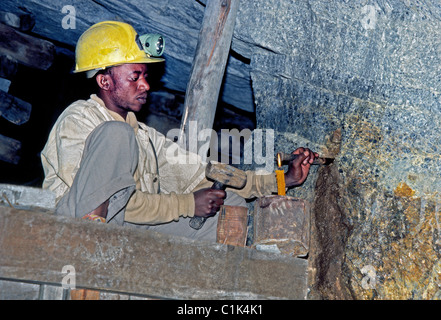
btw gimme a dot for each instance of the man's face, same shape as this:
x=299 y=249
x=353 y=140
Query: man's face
x=128 y=88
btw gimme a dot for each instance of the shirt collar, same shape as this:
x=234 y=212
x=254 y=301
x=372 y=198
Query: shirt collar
x=130 y=119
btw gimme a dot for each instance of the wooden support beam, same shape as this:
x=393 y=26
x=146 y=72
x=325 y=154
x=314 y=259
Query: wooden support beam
x=21 y=20
x=14 y=109
x=4 y=84
x=35 y=247
x=8 y=66
x=9 y=149
x=28 y=50
x=208 y=66
x=23 y=197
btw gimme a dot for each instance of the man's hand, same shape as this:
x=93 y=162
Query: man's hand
x=208 y=201
x=298 y=168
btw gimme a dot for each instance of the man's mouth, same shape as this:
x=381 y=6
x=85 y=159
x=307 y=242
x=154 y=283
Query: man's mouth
x=142 y=98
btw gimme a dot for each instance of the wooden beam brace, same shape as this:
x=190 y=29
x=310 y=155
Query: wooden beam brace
x=23 y=197
x=9 y=149
x=21 y=20
x=208 y=66
x=35 y=247
x=14 y=109
x=8 y=66
x=28 y=50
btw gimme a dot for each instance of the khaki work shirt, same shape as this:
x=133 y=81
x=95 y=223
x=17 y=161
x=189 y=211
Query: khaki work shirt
x=163 y=187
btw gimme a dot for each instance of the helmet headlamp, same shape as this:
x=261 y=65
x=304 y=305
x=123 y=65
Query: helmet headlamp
x=152 y=43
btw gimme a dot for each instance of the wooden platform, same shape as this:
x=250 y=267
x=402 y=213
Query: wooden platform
x=36 y=247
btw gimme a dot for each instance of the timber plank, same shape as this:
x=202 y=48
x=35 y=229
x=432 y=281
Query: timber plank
x=208 y=66
x=35 y=246
x=26 y=49
x=23 y=197
x=8 y=66
x=14 y=109
x=9 y=149
x=21 y=20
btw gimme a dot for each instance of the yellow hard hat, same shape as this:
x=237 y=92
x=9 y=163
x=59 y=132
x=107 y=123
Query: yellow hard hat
x=109 y=43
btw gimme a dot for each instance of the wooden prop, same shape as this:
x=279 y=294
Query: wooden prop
x=208 y=66
x=232 y=226
x=282 y=224
x=28 y=50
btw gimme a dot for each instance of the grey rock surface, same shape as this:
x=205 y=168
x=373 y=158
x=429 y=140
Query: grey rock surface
x=369 y=69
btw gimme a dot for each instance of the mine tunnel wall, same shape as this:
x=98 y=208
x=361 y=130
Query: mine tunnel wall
x=371 y=71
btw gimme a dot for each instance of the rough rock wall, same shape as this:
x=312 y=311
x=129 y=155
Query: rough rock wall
x=368 y=71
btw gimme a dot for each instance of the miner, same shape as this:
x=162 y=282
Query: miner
x=105 y=165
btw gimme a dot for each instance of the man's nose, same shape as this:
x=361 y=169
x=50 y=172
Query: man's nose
x=144 y=85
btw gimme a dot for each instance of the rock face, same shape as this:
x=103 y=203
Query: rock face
x=358 y=81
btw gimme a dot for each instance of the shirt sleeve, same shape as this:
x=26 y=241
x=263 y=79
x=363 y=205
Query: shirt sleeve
x=177 y=177
x=62 y=153
x=147 y=208
x=257 y=185
x=70 y=138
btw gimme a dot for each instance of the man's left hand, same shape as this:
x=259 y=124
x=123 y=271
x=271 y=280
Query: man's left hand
x=298 y=168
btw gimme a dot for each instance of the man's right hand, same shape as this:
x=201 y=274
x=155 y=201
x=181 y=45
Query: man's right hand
x=208 y=201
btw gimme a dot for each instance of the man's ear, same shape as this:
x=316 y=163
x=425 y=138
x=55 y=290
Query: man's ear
x=103 y=81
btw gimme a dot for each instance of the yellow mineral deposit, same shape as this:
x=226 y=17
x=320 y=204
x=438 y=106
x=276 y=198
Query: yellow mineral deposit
x=403 y=190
